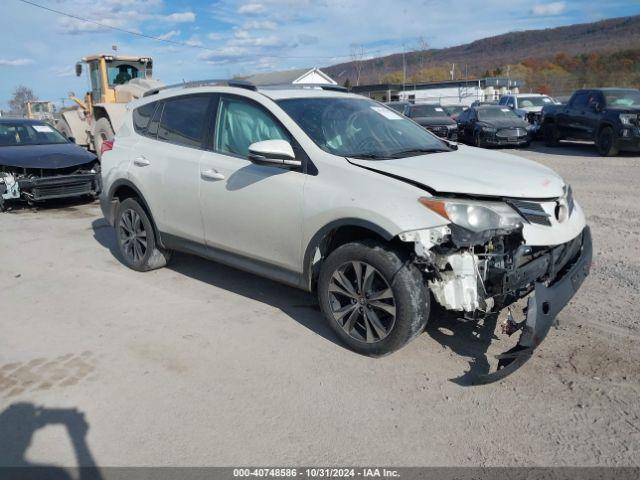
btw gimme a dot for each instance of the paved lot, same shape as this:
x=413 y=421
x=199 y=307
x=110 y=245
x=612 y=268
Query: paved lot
x=199 y=364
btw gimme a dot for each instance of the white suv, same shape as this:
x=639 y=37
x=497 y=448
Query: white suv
x=335 y=193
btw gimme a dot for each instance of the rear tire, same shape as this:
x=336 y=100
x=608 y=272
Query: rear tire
x=103 y=131
x=477 y=140
x=136 y=238
x=373 y=297
x=551 y=135
x=606 y=143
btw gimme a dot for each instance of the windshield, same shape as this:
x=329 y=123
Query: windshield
x=455 y=109
x=427 y=111
x=622 y=98
x=352 y=127
x=502 y=113
x=527 y=102
x=121 y=74
x=22 y=133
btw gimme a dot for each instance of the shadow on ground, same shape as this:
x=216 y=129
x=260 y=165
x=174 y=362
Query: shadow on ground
x=18 y=424
x=468 y=339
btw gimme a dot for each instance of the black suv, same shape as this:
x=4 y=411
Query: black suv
x=610 y=117
x=434 y=118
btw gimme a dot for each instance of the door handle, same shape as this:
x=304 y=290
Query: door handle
x=141 y=162
x=211 y=175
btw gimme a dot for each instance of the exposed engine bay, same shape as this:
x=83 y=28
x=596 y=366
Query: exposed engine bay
x=477 y=274
x=39 y=184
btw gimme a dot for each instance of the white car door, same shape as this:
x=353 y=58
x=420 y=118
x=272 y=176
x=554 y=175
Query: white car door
x=250 y=210
x=168 y=162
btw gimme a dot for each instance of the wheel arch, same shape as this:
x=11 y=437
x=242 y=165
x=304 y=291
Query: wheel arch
x=120 y=191
x=332 y=236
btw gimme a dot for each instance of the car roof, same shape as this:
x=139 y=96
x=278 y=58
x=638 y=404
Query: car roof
x=20 y=120
x=311 y=92
x=274 y=93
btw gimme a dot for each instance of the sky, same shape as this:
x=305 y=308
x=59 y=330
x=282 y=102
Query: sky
x=223 y=38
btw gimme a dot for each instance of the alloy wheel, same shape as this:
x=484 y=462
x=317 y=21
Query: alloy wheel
x=362 y=302
x=133 y=236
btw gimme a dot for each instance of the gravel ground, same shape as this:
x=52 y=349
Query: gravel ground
x=200 y=364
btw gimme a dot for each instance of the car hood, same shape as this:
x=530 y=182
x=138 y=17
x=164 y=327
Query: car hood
x=506 y=123
x=473 y=171
x=530 y=109
x=623 y=109
x=432 y=121
x=62 y=155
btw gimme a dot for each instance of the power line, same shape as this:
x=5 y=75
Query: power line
x=166 y=40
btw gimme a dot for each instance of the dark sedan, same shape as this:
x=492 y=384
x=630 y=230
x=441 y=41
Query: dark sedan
x=434 y=118
x=37 y=163
x=493 y=125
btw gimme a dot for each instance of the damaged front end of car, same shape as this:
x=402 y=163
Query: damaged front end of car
x=493 y=253
x=35 y=185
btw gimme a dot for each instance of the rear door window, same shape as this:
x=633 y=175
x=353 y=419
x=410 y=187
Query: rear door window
x=142 y=117
x=184 y=120
x=152 y=128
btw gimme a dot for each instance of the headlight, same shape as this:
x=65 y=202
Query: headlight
x=473 y=215
x=629 y=118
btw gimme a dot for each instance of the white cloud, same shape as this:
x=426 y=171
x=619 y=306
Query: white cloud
x=251 y=9
x=17 y=62
x=183 y=17
x=260 y=25
x=71 y=26
x=549 y=9
x=169 y=35
x=194 y=41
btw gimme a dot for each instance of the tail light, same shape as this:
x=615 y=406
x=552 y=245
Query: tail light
x=106 y=146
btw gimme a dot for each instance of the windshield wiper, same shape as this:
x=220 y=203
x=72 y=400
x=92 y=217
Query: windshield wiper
x=417 y=151
x=369 y=156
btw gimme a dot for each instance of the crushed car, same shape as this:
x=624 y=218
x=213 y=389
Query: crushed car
x=37 y=163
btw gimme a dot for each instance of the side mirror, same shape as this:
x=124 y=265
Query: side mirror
x=276 y=153
x=597 y=107
x=78 y=69
x=72 y=139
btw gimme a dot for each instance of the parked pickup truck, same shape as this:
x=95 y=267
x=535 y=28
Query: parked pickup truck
x=610 y=117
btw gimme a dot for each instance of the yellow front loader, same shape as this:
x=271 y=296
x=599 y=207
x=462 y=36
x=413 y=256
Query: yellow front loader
x=115 y=80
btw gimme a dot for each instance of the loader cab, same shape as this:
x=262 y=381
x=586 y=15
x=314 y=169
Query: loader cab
x=108 y=71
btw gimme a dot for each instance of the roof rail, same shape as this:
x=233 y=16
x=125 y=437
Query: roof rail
x=322 y=86
x=204 y=83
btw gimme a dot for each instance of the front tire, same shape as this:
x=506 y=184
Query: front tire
x=551 y=135
x=136 y=238
x=606 y=143
x=373 y=297
x=477 y=140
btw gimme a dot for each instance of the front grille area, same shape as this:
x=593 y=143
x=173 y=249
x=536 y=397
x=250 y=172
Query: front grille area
x=531 y=212
x=509 y=133
x=60 y=186
x=439 y=130
x=533 y=117
x=58 y=191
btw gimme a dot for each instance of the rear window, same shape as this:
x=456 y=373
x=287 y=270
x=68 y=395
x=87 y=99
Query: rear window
x=184 y=120
x=142 y=116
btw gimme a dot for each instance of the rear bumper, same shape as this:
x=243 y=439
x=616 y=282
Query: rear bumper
x=544 y=304
x=48 y=188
